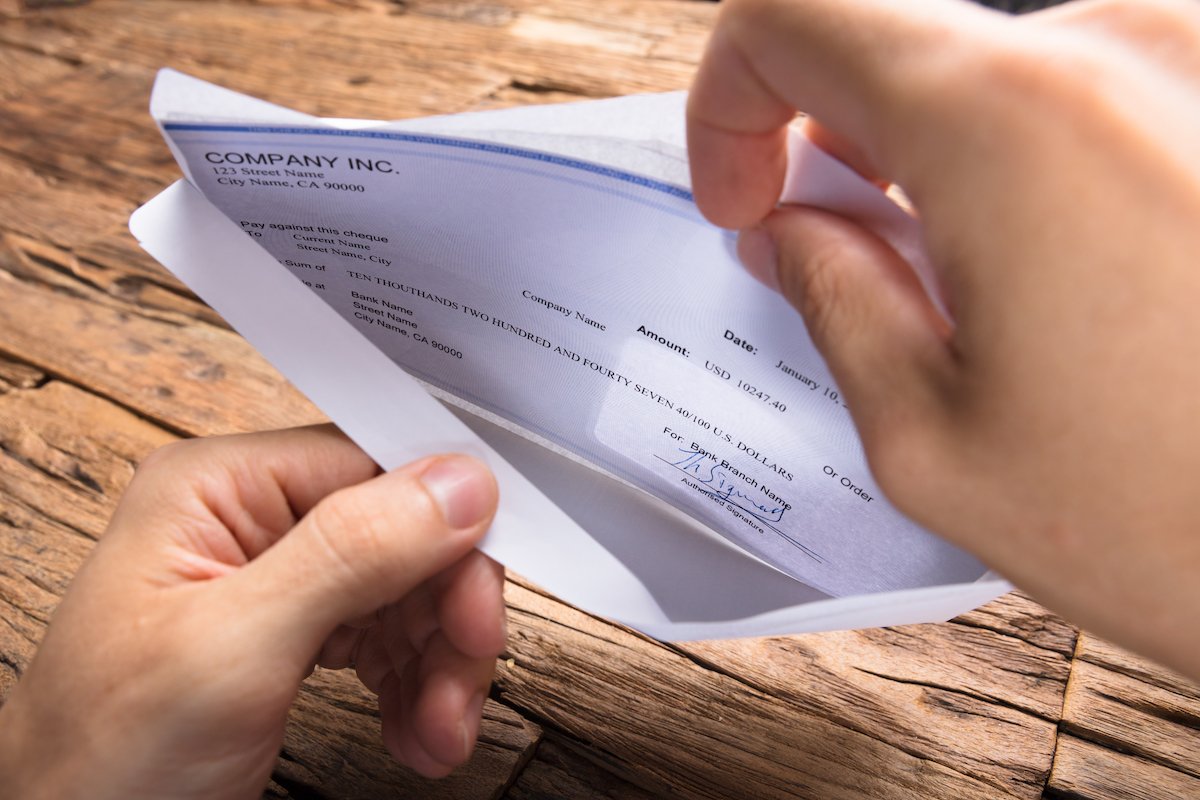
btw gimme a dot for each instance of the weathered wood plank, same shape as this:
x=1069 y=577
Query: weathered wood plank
x=381 y=64
x=17 y=375
x=190 y=376
x=68 y=455
x=1140 y=721
x=34 y=204
x=1133 y=716
x=560 y=769
x=88 y=130
x=995 y=695
x=1084 y=770
x=1016 y=615
x=332 y=747
x=24 y=70
x=65 y=456
x=1095 y=650
x=678 y=727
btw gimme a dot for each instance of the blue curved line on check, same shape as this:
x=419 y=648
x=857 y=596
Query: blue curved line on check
x=445 y=141
x=666 y=206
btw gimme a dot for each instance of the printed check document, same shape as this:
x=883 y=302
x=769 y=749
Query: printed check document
x=671 y=450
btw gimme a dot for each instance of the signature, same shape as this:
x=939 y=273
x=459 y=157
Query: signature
x=716 y=481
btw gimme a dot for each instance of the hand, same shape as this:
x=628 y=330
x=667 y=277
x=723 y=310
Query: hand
x=1052 y=159
x=232 y=566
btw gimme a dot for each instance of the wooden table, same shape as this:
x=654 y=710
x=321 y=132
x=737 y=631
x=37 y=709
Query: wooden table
x=103 y=357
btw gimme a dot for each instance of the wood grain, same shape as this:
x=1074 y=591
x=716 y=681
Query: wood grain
x=675 y=725
x=332 y=747
x=1085 y=769
x=1131 y=728
x=562 y=768
x=996 y=695
x=104 y=356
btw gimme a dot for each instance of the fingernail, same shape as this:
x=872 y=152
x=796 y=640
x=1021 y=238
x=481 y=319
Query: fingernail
x=757 y=251
x=470 y=721
x=463 y=488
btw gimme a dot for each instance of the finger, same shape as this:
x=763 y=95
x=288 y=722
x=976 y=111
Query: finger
x=397 y=638
x=866 y=312
x=453 y=687
x=364 y=547
x=340 y=649
x=397 y=701
x=738 y=158
x=255 y=485
x=371 y=661
x=414 y=618
x=856 y=67
x=470 y=605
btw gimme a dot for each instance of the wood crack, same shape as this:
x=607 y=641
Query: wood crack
x=161 y=424
x=1065 y=656
x=25 y=612
x=80 y=293
x=549 y=87
x=43 y=471
x=705 y=664
x=296 y=788
x=39 y=583
x=1182 y=718
x=68 y=527
x=113 y=296
x=588 y=750
x=1062 y=709
x=523 y=759
x=8 y=661
x=25 y=47
x=27 y=278
x=360 y=709
x=132 y=280
x=1122 y=746
x=591 y=634
x=996 y=701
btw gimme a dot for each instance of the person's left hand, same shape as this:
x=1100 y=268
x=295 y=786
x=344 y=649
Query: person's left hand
x=230 y=568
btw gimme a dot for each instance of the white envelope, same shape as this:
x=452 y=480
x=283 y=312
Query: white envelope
x=585 y=535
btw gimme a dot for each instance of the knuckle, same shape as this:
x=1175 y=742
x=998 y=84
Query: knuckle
x=352 y=532
x=187 y=453
x=169 y=469
x=817 y=282
x=367 y=533
x=167 y=456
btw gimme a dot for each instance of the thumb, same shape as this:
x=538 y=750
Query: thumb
x=866 y=312
x=364 y=547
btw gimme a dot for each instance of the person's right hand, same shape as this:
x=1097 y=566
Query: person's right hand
x=1054 y=160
